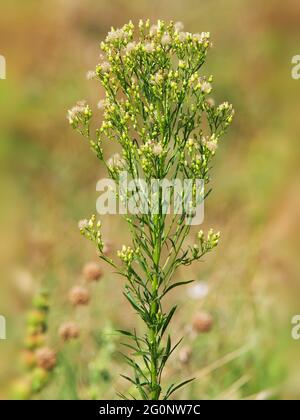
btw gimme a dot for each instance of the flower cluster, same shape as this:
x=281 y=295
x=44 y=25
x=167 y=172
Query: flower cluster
x=202 y=247
x=149 y=152
x=127 y=254
x=115 y=164
x=156 y=97
x=80 y=114
x=91 y=230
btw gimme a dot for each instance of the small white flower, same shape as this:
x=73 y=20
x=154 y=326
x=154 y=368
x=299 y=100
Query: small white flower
x=116 y=162
x=105 y=66
x=210 y=102
x=224 y=106
x=153 y=29
x=79 y=107
x=183 y=36
x=70 y=116
x=157 y=149
x=212 y=146
x=82 y=224
x=206 y=87
x=91 y=75
x=204 y=36
x=210 y=143
x=101 y=104
x=130 y=47
x=166 y=39
x=116 y=35
x=149 y=47
x=198 y=37
x=81 y=104
x=178 y=26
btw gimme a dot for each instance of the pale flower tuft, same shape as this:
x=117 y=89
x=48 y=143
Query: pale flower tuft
x=178 y=26
x=166 y=39
x=91 y=75
x=130 y=47
x=83 y=224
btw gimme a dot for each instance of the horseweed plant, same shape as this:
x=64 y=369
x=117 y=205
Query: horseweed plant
x=157 y=108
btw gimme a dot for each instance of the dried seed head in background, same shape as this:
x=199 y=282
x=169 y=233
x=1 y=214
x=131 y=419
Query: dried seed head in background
x=79 y=296
x=202 y=322
x=92 y=271
x=69 y=331
x=46 y=358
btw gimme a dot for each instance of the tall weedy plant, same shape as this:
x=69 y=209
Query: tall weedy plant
x=158 y=110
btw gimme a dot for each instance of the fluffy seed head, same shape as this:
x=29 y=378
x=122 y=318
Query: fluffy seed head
x=206 y=87
x=202 y=322
x=105 y=66
x=68 y=331
x=178 y=26
x=157 y=149
x=166 y=39
x=79 y=296
x=91 y=75
x=46 y=358
x=130 y=47
x=149 y=48
x=101 y=104
x=92 y=271
x=82 y=224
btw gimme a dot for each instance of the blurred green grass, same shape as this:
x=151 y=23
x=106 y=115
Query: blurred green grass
x=48 y=179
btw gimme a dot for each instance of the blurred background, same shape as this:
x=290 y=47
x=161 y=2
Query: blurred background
x=237 y=317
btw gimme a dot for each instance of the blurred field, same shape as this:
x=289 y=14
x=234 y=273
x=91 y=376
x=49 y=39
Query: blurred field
x=48 y=178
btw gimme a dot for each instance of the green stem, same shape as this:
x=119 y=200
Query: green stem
x=155 y=385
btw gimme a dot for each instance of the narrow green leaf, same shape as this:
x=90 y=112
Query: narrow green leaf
x=129 y=334
x=167 y=320
x=180 y=283
x=166 y=355
x=170 y=392
x=128 y=379
x=132 y=302
x=122 y=396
